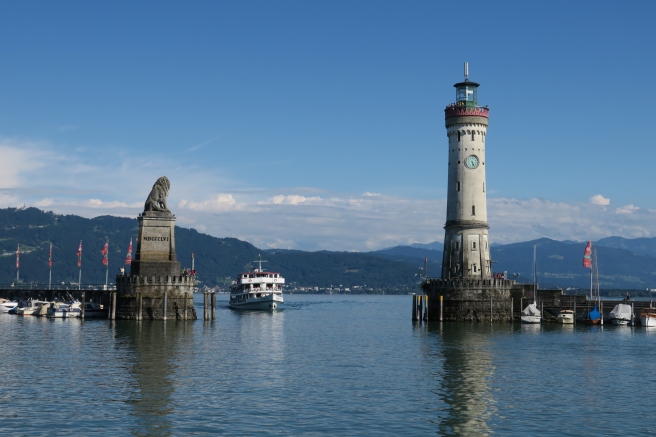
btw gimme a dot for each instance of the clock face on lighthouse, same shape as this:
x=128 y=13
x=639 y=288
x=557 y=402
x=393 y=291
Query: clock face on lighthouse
x=471 y=161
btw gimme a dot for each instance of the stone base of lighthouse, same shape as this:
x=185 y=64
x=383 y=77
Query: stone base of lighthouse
x=482 y=300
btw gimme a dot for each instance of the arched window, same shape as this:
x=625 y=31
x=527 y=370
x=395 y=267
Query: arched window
x=458 y=135
x=473 y=135
x=458 y=189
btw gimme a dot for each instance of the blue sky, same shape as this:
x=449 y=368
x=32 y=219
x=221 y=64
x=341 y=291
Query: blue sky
x=320 y=125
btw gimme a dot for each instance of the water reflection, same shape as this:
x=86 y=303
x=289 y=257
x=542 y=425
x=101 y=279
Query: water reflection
x=467 y=370
x=152 y=348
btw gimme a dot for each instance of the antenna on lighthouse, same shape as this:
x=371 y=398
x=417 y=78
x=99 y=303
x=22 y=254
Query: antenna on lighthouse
x=466 y=71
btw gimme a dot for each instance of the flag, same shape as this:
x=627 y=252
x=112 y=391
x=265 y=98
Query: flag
x=79 y=255
x=18 y=256
x=128 y=259
x=587 y=258
x=50 y=257
x=105 y=252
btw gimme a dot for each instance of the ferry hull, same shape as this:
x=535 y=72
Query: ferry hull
x=265 y=303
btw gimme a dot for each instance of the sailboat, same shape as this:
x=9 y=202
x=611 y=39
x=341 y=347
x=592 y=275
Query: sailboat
x=531 y=314
x=594 y=316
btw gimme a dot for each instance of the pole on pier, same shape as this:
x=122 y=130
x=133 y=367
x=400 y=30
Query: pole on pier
x=441 y=308
x=166 y=295
x=84 y=300
x=491 y=317
x=512 y=309
x=185 y=305
x=213 y=304
x=601 y=312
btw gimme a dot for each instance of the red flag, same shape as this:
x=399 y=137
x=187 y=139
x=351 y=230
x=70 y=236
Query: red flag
x=105 y=252
x=587 y=257
x=18 y=256
x=128 y=259
x=79 y=255
x=50 y=257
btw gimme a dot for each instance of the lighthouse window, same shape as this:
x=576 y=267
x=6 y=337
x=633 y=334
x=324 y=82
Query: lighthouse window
x=484 y=187
x=458 y=135
x=473 y=245
x=474 y=268
x=458 y=184
x=473 y=210
x=473 y=136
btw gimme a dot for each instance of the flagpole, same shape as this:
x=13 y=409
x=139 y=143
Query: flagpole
x=50 y=269
x=17 y=262
x=107 y=264
x=79 y=264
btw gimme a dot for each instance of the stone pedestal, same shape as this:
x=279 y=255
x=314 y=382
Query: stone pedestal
x=482 y=300
x=155 y=254
x=155 y=289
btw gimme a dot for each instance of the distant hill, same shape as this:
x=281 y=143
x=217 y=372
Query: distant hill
x=623 y=263
x=217 y=260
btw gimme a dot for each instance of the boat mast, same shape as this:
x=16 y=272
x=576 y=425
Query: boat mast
x=535 y=288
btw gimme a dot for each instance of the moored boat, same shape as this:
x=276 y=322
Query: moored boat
x=93 y=310
x=531 y=314
x=566 y=317
x=65 y=310
x=6 y=305
x=29 y=307
x=648 y=317
x=257 y=289
x=621 y=314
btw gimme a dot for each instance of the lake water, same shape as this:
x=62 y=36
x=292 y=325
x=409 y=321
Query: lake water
x=324 y=365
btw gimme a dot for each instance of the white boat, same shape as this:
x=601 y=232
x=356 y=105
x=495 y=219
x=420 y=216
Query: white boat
x=30 y=307
x=648 y=317
x=6 y=305
x=566 y=317
x=257 y=289
x=621 y=314
x=65 y=310
x=531 y=314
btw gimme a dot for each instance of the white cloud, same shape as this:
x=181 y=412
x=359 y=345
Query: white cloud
x=219 y=202
x=628 y=209
x=291 y=200
x=599 y=200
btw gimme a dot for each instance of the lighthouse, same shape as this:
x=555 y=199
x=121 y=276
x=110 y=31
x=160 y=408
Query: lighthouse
x=466 y=243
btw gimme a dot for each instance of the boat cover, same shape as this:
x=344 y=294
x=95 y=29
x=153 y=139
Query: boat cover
x=621 y=311
x=531 y=310
x=594 y=314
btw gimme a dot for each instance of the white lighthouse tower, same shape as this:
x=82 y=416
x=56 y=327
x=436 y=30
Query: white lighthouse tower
x=466 y=244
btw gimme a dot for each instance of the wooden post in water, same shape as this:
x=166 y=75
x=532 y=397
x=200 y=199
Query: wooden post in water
x=512 y=309
x=491 y=317
x=426 y=307
x=441 y=308
x=206 y=306
x=139 y=306
x=575 y=310
x=166 y=296
x=414 y=307
x=185 y=305
x=82 y=306
x=213 y=304
x=601 y=312
x=112 y=306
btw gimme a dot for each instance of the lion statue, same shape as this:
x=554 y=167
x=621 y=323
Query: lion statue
x=157 y=198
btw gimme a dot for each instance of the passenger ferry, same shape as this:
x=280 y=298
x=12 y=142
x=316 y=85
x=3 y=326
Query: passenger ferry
x=257 y=289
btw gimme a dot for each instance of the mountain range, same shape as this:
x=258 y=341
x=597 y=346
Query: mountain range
x=623 y=263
